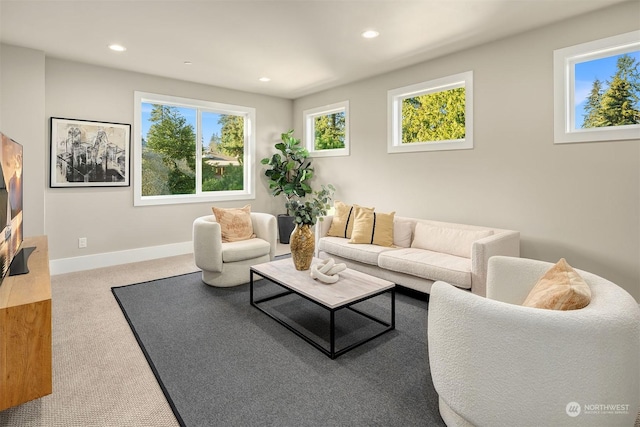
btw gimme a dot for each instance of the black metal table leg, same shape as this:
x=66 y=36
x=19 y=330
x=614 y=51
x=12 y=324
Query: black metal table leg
x=332 y=334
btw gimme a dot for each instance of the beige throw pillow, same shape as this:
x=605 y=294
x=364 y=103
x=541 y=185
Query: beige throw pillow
x=560 y=288
x=372 y=227
x=343 y=218
x=453 y=241
x=235 y=223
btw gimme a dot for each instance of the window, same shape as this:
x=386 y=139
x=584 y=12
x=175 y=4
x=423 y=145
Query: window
x=433 y=115
x=597 y=90
x=190 y=151
x=326 y=130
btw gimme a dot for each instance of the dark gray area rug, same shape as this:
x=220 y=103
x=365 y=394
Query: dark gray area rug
x=222 y=362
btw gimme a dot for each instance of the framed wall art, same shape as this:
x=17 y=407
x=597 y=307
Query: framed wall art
x=87 y=153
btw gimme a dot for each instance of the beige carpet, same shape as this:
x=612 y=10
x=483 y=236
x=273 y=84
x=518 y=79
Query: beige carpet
x=100 y=376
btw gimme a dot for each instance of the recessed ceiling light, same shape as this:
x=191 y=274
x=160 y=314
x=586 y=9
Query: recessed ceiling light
x=188 y=63
x=264 y=79
x=370 y=34
x=117 y=47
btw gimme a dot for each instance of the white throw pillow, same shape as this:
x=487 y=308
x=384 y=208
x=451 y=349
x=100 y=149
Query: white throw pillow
x=402 y=233
x=453 y=241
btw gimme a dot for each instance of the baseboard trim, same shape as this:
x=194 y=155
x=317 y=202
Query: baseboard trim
x=108 y=259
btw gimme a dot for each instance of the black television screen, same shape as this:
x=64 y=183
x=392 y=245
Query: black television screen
x=10 y=201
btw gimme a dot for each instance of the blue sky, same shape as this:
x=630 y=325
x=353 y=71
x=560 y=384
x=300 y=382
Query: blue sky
x=209 y=121
x=586 y=73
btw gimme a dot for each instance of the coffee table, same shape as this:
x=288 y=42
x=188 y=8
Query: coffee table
x=352 y=288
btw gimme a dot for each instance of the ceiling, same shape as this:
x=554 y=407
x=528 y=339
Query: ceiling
x=303 y=46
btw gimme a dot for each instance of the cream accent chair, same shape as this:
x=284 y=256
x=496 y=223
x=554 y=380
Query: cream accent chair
x=227 y=264
x=496 y=363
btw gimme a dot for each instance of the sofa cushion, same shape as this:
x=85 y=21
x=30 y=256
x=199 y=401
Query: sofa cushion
x=372 y=227
x=364 y=253
x=453 y=241
x=343 y=219
x=402 y=233
x=428 y=264
x=560 y=288
x=245 y=249
x=235 y=223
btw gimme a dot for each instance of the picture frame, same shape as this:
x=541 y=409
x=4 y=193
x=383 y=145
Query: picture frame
x=87 y=153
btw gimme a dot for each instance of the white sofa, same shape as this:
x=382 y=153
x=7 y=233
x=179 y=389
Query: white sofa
x=417 y=268
x=497 y=363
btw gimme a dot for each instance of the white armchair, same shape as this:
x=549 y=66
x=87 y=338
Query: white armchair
x=497 y=363
x=227 y=264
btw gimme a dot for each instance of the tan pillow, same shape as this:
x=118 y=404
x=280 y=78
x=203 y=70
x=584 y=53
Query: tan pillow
x=372 y=227
x=235 y=223
x=560 y=288
x=342 y=223
x=453 y=241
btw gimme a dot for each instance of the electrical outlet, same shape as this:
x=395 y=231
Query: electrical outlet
x=82 y=242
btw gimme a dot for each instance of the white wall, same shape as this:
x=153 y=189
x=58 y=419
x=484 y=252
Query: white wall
x=22 y=119
x=106 y=216
x=35 y=88
x=578 y=201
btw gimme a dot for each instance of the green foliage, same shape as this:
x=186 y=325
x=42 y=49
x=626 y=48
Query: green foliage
x=169 y=156
x=156 y=174
x=592 y=117
x=307 y=211
x=232 y=139
x=171 y=136
x=181 y=182
x=289 y=170
x=329 y=131
x=290 y=173
x=231 y=179
x=438 y=116
x=619 y=104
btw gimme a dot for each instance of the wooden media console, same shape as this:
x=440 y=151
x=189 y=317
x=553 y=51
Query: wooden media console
x=25 y=330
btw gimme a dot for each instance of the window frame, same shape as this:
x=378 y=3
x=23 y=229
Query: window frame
x=394 y=115
x=249 y=114
x=309 y=117
x=564 y=61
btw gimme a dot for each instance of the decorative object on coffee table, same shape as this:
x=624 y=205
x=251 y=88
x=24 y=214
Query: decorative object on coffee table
x=327 y=271
x=302 y=246
x=305 y=214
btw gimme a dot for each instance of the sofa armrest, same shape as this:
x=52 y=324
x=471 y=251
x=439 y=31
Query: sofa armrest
x=322 y=228
x=503 y=243
x=207 y=243
x=265 y=227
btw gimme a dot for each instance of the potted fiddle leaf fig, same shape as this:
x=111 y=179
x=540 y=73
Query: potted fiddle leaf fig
x=289 y=172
